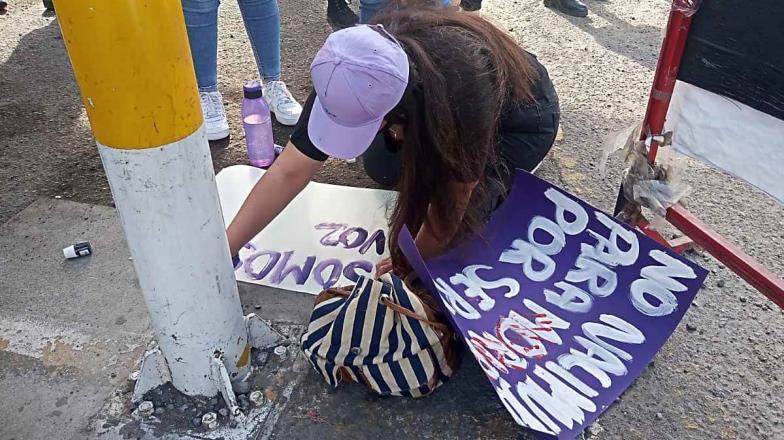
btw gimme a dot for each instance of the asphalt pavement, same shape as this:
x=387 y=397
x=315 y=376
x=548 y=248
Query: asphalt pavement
x=70 y=334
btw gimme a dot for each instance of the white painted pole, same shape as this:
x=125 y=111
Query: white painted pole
x=133 y=65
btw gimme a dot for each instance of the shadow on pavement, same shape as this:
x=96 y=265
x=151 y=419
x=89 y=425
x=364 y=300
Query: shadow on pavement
x=47 y=149
x=638 y=43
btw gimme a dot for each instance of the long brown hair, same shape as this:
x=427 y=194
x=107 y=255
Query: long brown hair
x=464 y=73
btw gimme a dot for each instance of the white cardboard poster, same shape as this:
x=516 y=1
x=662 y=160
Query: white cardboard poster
x=729 y=135
x=327 y=236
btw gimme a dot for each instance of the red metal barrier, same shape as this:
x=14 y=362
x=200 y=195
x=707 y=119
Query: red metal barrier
x=722 y=249
x=742 y=264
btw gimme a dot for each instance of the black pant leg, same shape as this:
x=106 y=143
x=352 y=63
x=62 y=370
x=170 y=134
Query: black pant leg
x=471 y=5
x=382 y=164
x=527 y=149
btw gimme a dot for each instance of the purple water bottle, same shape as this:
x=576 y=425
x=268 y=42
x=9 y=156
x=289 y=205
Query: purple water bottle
x=257 y=123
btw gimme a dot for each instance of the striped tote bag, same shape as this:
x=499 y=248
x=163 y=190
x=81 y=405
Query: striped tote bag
x=382 y=334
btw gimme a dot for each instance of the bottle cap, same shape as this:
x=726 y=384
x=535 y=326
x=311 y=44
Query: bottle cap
x=252 y=90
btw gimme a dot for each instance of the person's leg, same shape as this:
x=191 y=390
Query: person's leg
x=262 y=22
x=340 y=15
x=521 y=150
x=369 y=8
x=526 y=150
x=381 y=164
x=471 y=5
x=201 y=21
x=569 y=7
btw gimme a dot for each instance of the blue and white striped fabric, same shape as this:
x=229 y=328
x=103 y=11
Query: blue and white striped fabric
x=359 y=337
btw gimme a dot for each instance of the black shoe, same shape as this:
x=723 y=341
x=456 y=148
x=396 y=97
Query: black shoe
x=568 y=7
x=471 y=5
x=340 y=15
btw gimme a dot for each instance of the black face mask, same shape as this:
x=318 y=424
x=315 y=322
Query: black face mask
x=398 y=117
x=390 y=142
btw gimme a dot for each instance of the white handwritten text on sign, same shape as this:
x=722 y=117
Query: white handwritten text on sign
x=561 y=305
x=329 y=235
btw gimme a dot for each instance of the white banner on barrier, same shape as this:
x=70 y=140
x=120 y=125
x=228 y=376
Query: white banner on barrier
x=729 y=135
x=328 y=236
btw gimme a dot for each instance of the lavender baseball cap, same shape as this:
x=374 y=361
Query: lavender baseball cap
x=360 y=75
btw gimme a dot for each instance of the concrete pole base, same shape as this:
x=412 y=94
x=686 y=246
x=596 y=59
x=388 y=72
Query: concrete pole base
x=154 y=370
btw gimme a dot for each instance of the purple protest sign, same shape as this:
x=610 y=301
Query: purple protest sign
x=561 y=305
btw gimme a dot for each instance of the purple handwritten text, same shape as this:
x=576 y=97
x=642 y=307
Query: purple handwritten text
x=352 y=238
x=278 y=266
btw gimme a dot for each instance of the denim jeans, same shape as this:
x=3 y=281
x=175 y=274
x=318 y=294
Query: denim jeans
x=262 y=23
x=369 y=8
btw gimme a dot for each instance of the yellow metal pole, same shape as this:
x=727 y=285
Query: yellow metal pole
x=133 y=65
x=134 y=69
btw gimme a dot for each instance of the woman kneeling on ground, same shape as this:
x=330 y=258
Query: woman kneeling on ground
x=441 y=105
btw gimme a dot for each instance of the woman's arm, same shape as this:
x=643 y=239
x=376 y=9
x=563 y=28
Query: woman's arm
x=430 y=243
x=287 y=176
x=433 y=238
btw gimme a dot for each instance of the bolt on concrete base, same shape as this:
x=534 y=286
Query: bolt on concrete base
x=154 y=371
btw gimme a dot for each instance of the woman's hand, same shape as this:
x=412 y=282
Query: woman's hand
x=435 y=235
x=287 y=176
x=384 y=266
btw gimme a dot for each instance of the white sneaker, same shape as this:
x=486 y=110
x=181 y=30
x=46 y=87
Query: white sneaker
x=215 y=122
x=281 y=103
